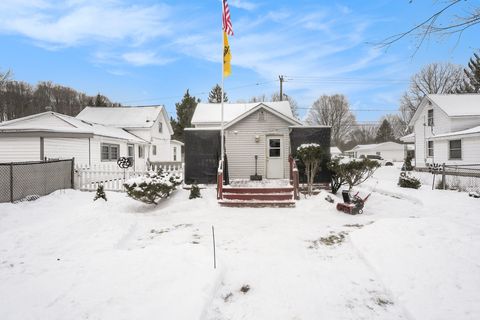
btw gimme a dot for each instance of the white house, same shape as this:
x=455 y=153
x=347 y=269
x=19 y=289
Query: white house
x=446 y=129
x=151 y=124
x=177 y=153
x=53 y=135
x=390 y=151
x=335 y=152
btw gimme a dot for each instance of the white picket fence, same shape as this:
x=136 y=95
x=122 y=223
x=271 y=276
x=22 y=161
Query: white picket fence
x=88 y=178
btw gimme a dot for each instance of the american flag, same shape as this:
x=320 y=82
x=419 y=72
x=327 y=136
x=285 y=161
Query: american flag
x=227 y=23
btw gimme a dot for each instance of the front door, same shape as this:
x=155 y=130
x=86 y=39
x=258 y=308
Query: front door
x=275 y=157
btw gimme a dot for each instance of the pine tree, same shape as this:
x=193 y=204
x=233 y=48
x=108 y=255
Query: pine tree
x=101 y=101
x=215 y=95
x=385 y=132
x=100 y=193
x=472 y=82
x=185 y=110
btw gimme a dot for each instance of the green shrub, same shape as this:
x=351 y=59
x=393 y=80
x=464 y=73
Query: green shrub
x=152 y=187
x=194 y=192
x=351 y=172
x=407 y=181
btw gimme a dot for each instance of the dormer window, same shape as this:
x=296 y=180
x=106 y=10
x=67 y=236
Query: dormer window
x=160 y=127
x=430 y=118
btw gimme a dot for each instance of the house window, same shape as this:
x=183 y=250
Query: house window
x=140 y=151
x=455 y=149
x=174 y=153
x=160 y=127
x=430 y=149
x=109 y=152
x=154 y=150
x=378 y=153
x=430 y=118
x=274 y=148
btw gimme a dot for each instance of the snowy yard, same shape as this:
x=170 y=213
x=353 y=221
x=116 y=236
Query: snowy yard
x=411 y=255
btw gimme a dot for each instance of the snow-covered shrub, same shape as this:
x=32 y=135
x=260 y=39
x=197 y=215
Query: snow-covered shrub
x=194 y=192
x=351 y=172
x=311 y=155
x=152 y=187
x=408 y=181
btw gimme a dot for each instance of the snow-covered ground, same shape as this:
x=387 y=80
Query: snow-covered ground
x=413 y=254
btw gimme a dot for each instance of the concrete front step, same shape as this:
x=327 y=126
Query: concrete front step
x=258 y=190
x=256 y=204
x=259 y=196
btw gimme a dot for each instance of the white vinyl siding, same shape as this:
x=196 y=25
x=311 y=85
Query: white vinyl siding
x=16 y=149
x=67 y=148
x=470 y=151
x=241 y=146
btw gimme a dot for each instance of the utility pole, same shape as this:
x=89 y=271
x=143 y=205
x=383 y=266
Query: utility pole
x=281 y=87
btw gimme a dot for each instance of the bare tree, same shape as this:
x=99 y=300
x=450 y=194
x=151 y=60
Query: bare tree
x=361 y=134
x=293 y=103
x=333 y=111
x=433 y=78
x=399 y=126
x=436 y=25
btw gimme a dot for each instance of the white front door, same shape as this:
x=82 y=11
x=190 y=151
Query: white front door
x=275 y=157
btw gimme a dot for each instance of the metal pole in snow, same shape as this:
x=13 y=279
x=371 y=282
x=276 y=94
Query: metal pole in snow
x=214 y=254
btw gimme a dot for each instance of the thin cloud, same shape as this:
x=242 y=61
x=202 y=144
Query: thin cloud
x=141 y=58
x=241 y=4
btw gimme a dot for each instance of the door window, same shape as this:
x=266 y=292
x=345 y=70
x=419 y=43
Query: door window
x=274 y=148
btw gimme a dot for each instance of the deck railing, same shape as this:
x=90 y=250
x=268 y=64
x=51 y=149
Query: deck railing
x=220 y=180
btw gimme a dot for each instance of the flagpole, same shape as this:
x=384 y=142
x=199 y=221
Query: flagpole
x=221 y=117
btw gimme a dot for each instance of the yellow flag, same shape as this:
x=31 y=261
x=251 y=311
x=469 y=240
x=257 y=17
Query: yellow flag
x=227 y=70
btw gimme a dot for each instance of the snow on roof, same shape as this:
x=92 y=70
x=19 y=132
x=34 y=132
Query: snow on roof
x=122 y=117
x=468 y=132
x=211 y=112
x=457 y=105
x=374 y=146
x=409 y=138
x=76 y=126
x=335 y=150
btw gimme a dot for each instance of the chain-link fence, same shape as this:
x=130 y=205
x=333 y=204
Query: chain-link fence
x=19 y=180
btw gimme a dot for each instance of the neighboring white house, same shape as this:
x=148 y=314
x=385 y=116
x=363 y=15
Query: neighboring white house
x=446 y=129
x=176 y=150
x=390 y=151
x=52 y=135
x=251 y=129
x=152 y=124
x=335 y=152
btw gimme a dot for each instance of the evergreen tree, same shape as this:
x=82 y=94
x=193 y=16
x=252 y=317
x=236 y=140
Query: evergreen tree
x=101 y=101
x=385 y=132
x=100 y=193
x=215 y=95
x=194 y=192
x=472 y=82
x=185 y=110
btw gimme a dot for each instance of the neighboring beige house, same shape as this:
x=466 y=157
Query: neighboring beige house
x=390 y=151
x=50 y=135
x=446 y=129
x=152 y=124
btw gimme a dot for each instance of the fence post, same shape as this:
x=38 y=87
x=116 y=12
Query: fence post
x=11 y=182
x=72 y=174
x=443 y=176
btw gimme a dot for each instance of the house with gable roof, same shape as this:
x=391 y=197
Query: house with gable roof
x=259 y=138
x=446 y=129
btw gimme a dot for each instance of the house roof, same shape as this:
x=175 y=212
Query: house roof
x=335 y=150
x=74 y=126
x=279 y=114
x=454 y=105
x=409 y=138
x=475 y=131
x=177 y=142
x=210 y=113
x=361 y=147
x=124 y=117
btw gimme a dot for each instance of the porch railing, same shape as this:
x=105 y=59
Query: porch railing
x=220 y=180
x=294 y=178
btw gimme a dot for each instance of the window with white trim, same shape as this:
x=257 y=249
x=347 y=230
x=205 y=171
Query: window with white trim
x=109 y=152
x=430 y=118
x=154 y=150
x=455 y=149
x=430 y=148
x=160 y=127
x=174 y=153
x=141 y=151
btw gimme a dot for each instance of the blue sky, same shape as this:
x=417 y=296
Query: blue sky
x=150 y=52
